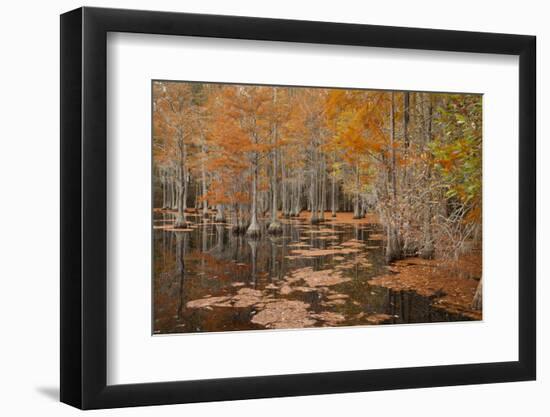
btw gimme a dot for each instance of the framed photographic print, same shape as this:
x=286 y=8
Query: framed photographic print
x=257 y=207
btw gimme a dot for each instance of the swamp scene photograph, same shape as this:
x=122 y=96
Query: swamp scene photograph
x=278 y=207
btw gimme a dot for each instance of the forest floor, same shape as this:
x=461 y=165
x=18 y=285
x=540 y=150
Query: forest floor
x=452 y=284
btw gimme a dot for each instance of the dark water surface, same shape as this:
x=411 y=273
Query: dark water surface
x=208 y=261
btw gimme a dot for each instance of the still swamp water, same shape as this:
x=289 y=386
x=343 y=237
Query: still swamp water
x=207 y=279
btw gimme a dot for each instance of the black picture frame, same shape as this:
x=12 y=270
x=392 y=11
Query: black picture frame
x=84 y=207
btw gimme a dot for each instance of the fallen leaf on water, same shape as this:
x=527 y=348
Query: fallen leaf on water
x=334 y=303
x=328 y=317
x=325 y=277
x=284 y=314
x=285 y=289
x=323 y=252
x=207 y=301
x=337 y=297
x=378 y=318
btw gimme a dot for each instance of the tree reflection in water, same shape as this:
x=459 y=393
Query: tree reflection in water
x=230 y=279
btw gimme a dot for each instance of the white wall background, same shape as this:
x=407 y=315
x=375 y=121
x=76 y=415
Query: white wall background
x=29 y=215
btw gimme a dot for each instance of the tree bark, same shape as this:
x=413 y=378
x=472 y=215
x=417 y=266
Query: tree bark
x=275 y=226
x=393 y=247
x=164 y=191
x=314 y=219
x=427 y=250
x=181 y=189
x=203 y=178
x=477 y=302
x=333 y=195
x=322 y=190
x=253 y=230
x=284 y=188
x=356 y=213
x=220 y=215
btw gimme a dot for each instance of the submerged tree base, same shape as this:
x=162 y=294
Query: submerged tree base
x=275 y=228
x=181 y=223
x=254 y=232
x=239 y=229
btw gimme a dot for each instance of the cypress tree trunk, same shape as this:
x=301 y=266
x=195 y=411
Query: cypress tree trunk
x=356 y=213
x=427 y=249
x=203 y=180
x=220 y=215
x=274 y=226
x=333 y=196
x=253 y=230
x=322 y=191
x=164 y=191
x=314 y=219
x=181 y=193
x=393 y=248
x=313 y=198
x=185 y=189
x=284 y=189
x=477 y=302
x=235 y=222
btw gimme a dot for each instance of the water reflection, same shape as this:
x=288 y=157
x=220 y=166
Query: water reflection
x=235 y=283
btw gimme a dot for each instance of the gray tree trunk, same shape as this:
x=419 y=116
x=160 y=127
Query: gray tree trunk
x=254 y=228
x=314 y=219
x=477 y=302
x=333 y=196
x=427 y=249
x=164 y=191
x=275 y=226
x=323 y=191
x=284 y=188
x=393 y=247
x=181 y=192
x=356 y=212
x=220 y=215
x=203 y=180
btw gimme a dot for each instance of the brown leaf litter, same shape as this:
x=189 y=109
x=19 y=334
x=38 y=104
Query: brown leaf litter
x=448 y=282
x=284 y=314
x=322 y=278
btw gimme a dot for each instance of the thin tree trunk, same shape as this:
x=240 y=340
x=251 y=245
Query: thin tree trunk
x=477 y=302
x=203 y=179
x=313 y=198
x=185 y=189
x=220 y=215
x=171 y=188
x=180 y=218
x=323 y=190
x=284 y=189
x=274 y=226
x=333 y=195
x=356 y=214
x=393 y=248
x=313 y=186
x=254 y=228
x=427 y=249
x=164 y=191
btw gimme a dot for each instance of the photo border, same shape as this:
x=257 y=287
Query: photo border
x=84 y=207
x=236 y=84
